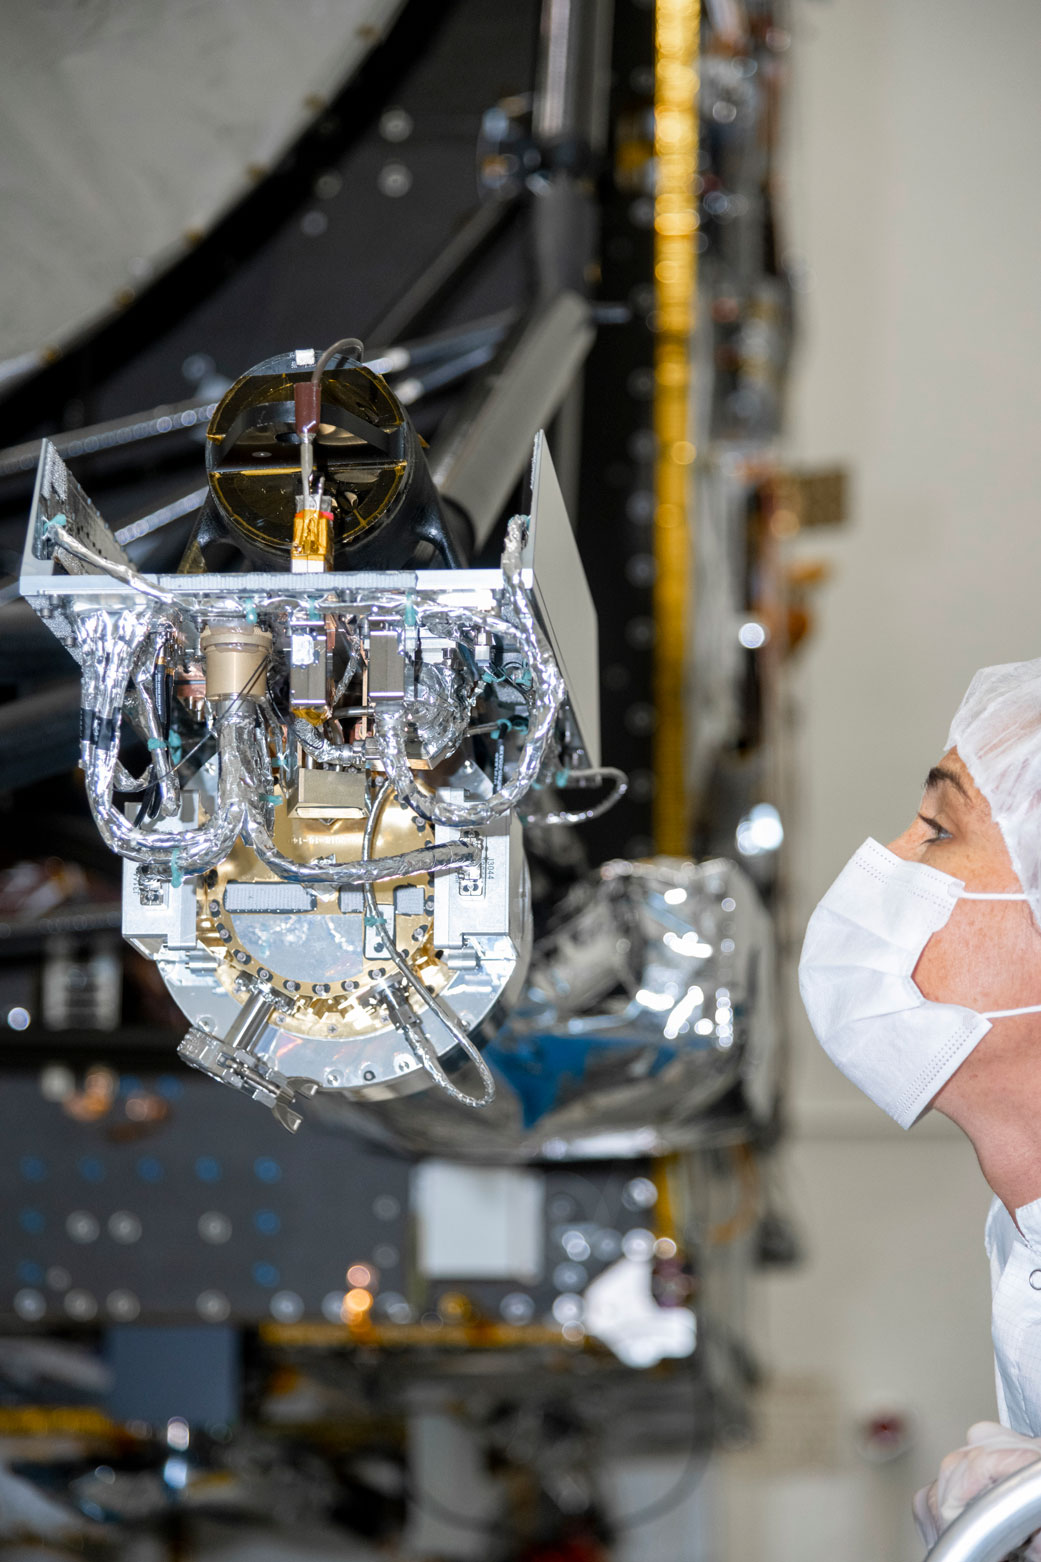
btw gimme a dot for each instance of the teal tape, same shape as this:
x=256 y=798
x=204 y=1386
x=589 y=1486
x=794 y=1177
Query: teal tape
x=175 y=747
x=273 y=797
x=176 y=876
x=157 y=743
x=410 y=610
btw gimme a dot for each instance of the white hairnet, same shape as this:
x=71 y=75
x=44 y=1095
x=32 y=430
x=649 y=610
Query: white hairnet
x=997 y=732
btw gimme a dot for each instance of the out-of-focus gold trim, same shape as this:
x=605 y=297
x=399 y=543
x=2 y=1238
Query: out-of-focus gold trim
x=677 y=38
x=57 y=1421
x=467 y=1336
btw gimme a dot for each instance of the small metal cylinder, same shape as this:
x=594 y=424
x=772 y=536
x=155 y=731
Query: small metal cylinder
x=236 y=658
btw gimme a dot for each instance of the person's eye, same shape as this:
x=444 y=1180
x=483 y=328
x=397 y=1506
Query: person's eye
x=936 y=829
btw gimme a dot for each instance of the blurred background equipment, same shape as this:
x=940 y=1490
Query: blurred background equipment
x=426 y=679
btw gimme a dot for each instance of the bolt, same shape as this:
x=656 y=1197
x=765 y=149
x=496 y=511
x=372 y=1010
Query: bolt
x=214 y=908
x=428 y=905
x=369 y=1075
x=333 y=1077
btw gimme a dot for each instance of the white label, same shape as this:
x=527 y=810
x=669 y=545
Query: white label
x=478 y=1223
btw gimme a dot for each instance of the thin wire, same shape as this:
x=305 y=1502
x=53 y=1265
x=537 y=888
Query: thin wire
x=604 y=773
x=346 y=344
x=423 y=1049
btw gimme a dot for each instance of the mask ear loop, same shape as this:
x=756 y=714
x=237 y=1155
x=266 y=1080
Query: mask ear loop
x=981 y=894
x=1004 y=1014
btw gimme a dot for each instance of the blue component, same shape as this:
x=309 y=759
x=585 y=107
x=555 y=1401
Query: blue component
x=542 y=1069
x=208 y=1169
x=265 y=1274
x=130 y=1085
x=32 y=1221
x=30 y=1273
x=267 y=1170
x=267 y=1222
x=149 y=1169
x=32 y=1168
x=91 y=1169
x=169 y=1087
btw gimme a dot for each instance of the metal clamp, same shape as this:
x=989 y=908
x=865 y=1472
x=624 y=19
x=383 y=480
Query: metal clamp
x=233 y=1062
x=995 y=1523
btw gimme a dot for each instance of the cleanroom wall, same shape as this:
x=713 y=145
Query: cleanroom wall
x=914 y=139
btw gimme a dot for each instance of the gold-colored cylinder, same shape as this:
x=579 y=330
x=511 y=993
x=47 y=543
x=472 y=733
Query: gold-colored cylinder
x=236 y=657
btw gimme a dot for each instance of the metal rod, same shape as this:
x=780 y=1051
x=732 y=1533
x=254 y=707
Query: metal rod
x=419 y=385
x=995 y=1523
x=61 y=924
x=145 y=525
x=439 y=273
x=441 y=344
x=179 y=415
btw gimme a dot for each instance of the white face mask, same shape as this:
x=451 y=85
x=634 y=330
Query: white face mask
x=862 y=944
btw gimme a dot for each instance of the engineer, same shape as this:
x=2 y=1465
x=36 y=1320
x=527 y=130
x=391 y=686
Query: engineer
x=921 y=976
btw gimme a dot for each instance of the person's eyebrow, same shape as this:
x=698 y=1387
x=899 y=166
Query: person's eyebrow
x=939 y=774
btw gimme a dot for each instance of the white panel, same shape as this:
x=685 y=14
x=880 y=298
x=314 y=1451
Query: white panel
x=478 y=1222
x=562 y=597
x=129 y=129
